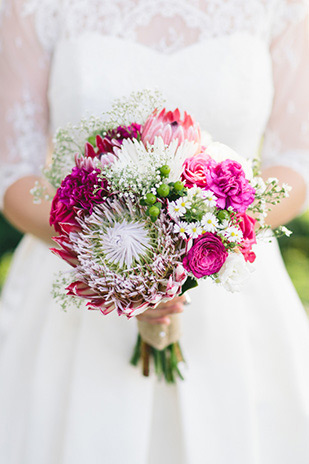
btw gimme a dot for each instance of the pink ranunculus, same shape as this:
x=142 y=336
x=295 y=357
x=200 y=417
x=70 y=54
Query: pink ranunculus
x=247 y=226
x=195 y=170
x=206 y=256
x=170 y=126
x=228 y=182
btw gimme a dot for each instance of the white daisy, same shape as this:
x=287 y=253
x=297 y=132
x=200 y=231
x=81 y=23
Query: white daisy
x=181 y=228
x=224 y=224
x=210 y=198
x=175 y=210
x=194 y=190
x=183 y=203
x=194 y=229
x=210 y=222
x=233 y=234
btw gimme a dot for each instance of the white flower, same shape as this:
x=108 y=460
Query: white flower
x=210 y=198
x=272 y=180
x=124 y=242
x=286 y=189
x=174 y=210
x=220 y=152
x=234 y=273
x=183 y=203
x=181 y=228
x=194 y=229
x=194 y=190
x=224 y=224
x=209 y=222
x=233 y=234
x=285 y=231
x=259 y=185
x=137 y=166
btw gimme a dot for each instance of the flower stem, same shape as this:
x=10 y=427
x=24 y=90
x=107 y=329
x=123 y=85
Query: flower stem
x=165 y=361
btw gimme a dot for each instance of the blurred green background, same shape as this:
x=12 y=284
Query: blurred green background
x=295 y=251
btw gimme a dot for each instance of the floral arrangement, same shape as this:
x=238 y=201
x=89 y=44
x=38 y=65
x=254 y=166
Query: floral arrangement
x=144 y=209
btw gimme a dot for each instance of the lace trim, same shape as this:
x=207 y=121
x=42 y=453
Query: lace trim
x=27 y=147
x=29 y=140
x=289 y=12
x=46 y=19
x=136 y=20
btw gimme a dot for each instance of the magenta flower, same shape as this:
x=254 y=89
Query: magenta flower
x=79 y=190
x=112 y=139
x=206 y=257
x=228 y=182
x=170 y=126
x=60 y=213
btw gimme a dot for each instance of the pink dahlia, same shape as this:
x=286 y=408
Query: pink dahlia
x=228 y=182
x=170 y=126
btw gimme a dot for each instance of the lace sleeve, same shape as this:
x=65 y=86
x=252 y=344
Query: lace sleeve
x=24 y=69
x=287 y=135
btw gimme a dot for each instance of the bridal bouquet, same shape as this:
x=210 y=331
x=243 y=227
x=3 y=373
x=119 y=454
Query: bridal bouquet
x=145 y=208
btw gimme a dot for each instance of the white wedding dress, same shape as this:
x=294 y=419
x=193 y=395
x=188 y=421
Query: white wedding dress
x=68 y=394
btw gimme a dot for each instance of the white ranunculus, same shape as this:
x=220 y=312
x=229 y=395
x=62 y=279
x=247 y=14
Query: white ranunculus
x=234 y=273
x=220 y=152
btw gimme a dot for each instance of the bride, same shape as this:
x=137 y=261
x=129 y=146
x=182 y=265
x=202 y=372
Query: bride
x=67 y=392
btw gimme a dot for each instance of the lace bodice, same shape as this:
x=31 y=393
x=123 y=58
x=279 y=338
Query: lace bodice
x=215 y=38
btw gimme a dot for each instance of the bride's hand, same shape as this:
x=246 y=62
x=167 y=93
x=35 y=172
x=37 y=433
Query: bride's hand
x=160 y=314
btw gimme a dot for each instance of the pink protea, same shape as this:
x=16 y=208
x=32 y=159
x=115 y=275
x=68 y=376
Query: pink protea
x=170 y=126
x=121 y=260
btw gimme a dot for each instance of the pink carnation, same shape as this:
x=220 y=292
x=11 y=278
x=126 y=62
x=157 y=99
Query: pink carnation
x=228 y=182
x=170 y=126
x=206 y=257
x=195 y=170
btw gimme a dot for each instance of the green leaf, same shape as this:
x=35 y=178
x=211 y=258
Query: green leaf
x=189 y=283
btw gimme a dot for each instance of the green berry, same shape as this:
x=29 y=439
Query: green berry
x=178 y=186
x=165 y=170
x=163 y=190
x=150 y=199
x=154 y=212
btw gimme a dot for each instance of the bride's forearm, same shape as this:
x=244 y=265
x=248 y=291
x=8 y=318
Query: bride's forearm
x=26 y=216
x=289 y=207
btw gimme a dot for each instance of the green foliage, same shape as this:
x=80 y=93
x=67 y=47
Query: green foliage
x=295 y=252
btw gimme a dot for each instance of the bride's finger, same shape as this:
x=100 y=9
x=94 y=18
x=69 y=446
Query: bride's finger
x=164 y=311
x=158 y=320
x=177 y=299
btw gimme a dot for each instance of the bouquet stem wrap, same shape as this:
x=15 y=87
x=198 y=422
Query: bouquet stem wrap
x=160 y=342
x=160 y=336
